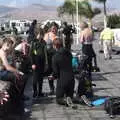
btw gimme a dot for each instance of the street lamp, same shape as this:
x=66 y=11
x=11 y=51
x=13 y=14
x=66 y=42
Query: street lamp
x=77 y=20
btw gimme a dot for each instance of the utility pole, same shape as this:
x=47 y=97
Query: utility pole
x=77 y=20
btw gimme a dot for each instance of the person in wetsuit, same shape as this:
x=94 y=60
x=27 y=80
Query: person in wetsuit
x=62 y=70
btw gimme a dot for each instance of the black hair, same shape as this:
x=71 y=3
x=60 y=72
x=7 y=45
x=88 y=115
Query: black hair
x=34 y=22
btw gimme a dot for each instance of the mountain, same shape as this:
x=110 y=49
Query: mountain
x=43 y=7
x=6 y=9
x=35 y=11
x=39 y=12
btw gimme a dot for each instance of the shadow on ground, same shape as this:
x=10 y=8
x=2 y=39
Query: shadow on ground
x=15 y=111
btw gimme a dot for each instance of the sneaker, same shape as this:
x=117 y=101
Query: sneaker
x=96 y=69
x=26 y=110
x=86 y=101
x=70 y=103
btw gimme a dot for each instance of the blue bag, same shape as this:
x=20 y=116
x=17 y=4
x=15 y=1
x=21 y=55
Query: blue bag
x=98 y=102
x=75 y=62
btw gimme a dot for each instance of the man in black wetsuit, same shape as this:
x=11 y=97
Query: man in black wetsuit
x=62 y=70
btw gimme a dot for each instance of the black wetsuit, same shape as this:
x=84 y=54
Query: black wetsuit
x=38 y=58
x=62 y=69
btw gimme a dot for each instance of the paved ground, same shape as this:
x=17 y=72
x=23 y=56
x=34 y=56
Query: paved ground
x=108 y=84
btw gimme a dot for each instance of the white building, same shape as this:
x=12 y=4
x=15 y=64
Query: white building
x=21 y=25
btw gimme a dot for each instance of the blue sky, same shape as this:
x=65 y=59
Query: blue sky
x=20 y=3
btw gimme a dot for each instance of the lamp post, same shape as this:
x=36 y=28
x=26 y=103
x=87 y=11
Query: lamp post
x=77 y=21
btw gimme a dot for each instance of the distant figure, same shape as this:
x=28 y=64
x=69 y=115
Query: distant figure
x=107 y=39
x=31 y=31
x=14 y=30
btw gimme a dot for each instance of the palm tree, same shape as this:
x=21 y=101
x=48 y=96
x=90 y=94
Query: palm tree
x=68 y=7
x=60 y=11
x=86 y=10
x=84 y=7
x=105 y=11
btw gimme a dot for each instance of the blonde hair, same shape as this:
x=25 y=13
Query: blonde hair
x=7 y=40
x=84 y=24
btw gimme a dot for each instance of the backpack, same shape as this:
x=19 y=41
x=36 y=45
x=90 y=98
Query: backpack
x=112 y=106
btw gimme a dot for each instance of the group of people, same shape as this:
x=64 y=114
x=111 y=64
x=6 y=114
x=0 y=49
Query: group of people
x=52 y=59
x=49 y=57
x=43 y=46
